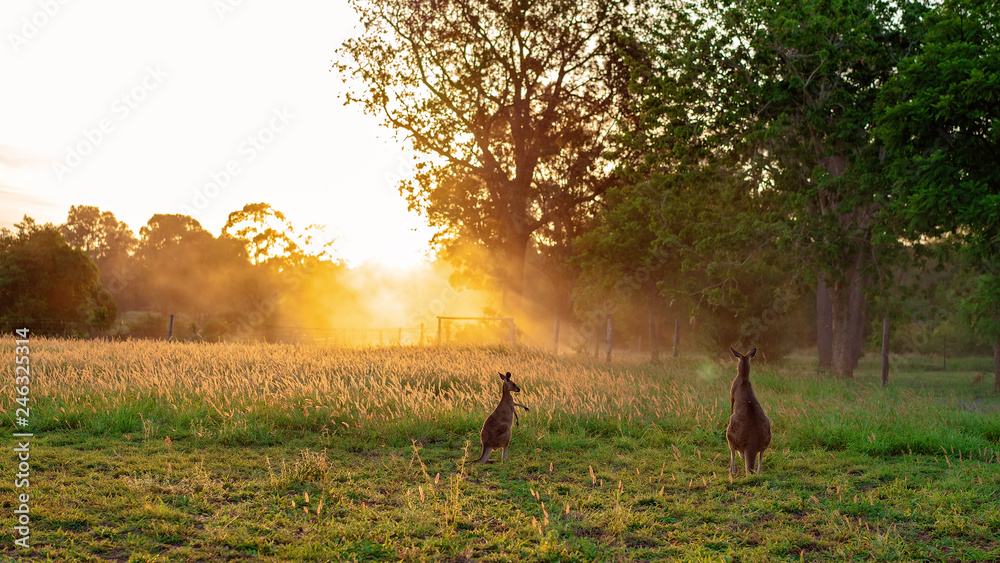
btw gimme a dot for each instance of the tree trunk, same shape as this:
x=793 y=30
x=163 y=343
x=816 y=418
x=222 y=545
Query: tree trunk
x=513 y=267
x=846 y=298
x=824 y=323
x=840 y=299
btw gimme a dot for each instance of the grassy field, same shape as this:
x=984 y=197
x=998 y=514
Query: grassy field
x=148 y=451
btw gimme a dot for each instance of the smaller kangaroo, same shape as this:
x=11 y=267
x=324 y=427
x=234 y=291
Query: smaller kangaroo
x=496 y=430
x=749 y=430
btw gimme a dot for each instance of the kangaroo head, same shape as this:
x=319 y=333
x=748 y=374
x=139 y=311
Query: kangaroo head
x=509 y=385
x=743 y=365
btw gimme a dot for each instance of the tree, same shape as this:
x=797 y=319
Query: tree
x=713 y=229
x=821 y=66
x=186 y=269
x=510 y=105
x=45 y=284
x=940 y=120
x=619 y=271
x=99 y=234
x=753 y=128
x=267 y=233
x=110 y=244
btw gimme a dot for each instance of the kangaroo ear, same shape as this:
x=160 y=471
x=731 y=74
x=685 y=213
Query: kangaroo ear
x=508 y=376
x=501 y=376
x=751 y=353
x=735 y=353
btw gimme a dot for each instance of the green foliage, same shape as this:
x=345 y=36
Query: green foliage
x=46 y=284
x=813 y=70
x=940 y=119
x=699 y=218
x=618 y=269
x=929 y=301
x=749 y=135
x=145 y=325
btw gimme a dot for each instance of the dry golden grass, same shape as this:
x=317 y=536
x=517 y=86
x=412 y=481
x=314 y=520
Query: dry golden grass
x=364 y=385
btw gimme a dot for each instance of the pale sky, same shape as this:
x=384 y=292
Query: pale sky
x=195 y=107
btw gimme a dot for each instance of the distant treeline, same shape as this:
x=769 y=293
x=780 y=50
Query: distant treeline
x=93 y=276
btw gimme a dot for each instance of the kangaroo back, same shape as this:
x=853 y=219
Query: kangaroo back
x=749 y=430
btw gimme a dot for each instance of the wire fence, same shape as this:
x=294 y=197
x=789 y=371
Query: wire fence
x=353 y=337
x=182 y=332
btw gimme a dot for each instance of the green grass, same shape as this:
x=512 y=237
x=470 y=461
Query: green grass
x=156 y=452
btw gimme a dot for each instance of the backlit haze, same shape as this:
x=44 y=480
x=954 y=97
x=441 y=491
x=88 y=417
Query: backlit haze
x=196 y=107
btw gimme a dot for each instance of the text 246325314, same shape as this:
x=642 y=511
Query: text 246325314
x=22 y=439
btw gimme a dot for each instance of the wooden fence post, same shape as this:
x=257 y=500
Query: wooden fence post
x=170 y=329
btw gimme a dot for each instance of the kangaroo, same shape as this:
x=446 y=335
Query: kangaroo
x=749 y=430
x=496 y=430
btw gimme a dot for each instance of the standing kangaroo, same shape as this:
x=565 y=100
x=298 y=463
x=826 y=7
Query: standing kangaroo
x=496 y=430
x=749 y=430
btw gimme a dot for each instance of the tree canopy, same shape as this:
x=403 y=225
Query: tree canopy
x=940 y=119
x=509 y=106
x=45 y=283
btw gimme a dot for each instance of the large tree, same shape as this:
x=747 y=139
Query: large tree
x=819 y=67
x=99 y=234
x=754 y=128
x=184 y=269
x=45 y=284
x=267 y=233
x=110 y=244
x=508 y=104
x=940 y=119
